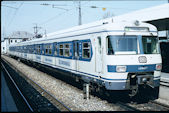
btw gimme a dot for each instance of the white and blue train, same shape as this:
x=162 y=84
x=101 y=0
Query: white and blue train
x=114 y=55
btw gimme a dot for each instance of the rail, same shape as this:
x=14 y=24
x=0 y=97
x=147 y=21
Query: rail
x=60 y=105
x=126 y=107
x=27 y=103
x=160 y=104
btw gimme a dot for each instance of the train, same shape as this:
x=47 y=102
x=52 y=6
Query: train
x=117 y=56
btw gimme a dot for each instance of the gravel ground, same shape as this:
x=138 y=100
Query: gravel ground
x=69 y=95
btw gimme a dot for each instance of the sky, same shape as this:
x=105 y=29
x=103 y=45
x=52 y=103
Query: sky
x=53 y=16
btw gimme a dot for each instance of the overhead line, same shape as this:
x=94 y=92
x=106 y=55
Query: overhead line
x=15 y=14
x=9 y=6
x=55 y=17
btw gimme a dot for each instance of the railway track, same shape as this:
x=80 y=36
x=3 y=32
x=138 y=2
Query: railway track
x=59 y=105
x=149 y=106
x=160 y=104
x=126 y=106
x=20 y=92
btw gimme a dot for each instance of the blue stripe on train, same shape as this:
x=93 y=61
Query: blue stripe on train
x=134 y=68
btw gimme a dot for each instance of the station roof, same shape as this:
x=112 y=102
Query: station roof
x=158 y=16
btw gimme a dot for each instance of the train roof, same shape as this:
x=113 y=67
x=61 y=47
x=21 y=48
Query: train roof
x=106 y=24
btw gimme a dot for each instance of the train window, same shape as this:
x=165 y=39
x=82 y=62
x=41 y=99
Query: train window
x=38 y=49
x=31 y=49
x=46 y=49
x=56 y=50
x=19 y=48
x=150 y=45
x=67 y=50
x=50 y=49
x=121 y=45
x=86 y=50
x=25 y=49
x=34 y=51
x=110 y=47
x=61 y=49
x=43 y=51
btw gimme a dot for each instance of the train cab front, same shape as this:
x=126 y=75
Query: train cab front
x=136 y=59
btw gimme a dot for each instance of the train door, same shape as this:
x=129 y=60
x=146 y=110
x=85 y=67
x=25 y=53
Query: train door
x=76 y=53
x=98 y=55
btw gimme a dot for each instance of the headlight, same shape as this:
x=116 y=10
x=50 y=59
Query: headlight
x=121 y=68
x=158 y=67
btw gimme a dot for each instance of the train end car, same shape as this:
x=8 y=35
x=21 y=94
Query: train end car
x=115 y=55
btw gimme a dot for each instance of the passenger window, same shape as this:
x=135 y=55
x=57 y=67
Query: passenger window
x=61 y=49
x=32 y=49
x=67 y=50
x=42 y=51
x=86 y=50
x=56 y=49
x=110 y=47
x=46 y=49
x=50 y=49
x=25 y=50
x=38 y=49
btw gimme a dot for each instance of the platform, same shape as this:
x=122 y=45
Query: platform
x=7 y=101
x=164 y=77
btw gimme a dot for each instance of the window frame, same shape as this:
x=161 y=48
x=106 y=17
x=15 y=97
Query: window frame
x=133 y=36
x=64 y=50
x=61 y=49
x=47 y=47
x=55 y=45
x=89 y=48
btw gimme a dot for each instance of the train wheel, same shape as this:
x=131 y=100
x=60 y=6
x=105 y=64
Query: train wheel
x=134 y=91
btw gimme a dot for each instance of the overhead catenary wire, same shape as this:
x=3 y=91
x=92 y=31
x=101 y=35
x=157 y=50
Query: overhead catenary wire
x=59 y=15
x=84 y=5
x=15 y=14
x=9 y=6
x=54 y=17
